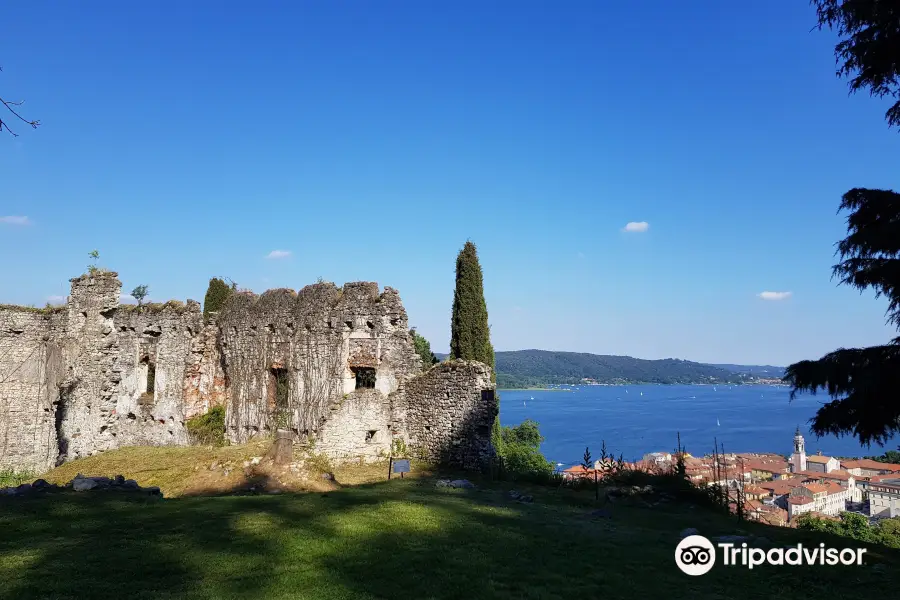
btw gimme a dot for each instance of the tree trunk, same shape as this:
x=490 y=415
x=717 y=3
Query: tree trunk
x=283 y=447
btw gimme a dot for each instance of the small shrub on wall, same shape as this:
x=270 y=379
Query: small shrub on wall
x=216 y=295
x=208 y=429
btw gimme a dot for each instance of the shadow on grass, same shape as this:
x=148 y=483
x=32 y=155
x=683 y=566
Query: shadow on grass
x=402 y=539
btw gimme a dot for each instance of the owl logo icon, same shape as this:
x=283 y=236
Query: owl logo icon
x=695 y=555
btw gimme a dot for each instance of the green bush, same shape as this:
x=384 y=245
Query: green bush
x=208 y=429
x=216 y=295
x=423 y=349
x=11 y=478
x=519 y=448
x=855 y=526
x=319 y=463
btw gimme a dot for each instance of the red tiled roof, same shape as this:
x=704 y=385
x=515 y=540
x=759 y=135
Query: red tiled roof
x=753 y=504
x=880 y=478
x=820 y=515
x=818 y=459
x=868 y=463
x=771 y=466
x=839 y=474
x=800 y=500
x=773 y=515
x=781 y=486
x=833 y=488
x=816 y=488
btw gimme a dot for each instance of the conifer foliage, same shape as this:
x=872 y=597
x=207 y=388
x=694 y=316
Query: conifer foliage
x=868 y=48
x=862 y=382
x=470 y=335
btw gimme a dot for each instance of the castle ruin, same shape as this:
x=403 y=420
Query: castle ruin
x=335 y=366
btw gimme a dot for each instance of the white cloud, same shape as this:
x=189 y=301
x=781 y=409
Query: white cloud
x=636 y=227
x=127 y=299
x=774 y=295
x=56 y=300
x=278 y=254
x=15 y=220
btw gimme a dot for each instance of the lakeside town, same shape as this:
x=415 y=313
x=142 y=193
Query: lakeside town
x=776 y=490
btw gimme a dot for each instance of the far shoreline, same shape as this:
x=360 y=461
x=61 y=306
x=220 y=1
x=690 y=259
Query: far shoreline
x=590 y=385
x=534 y=389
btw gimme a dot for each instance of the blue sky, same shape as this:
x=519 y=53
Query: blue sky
x=370 y=140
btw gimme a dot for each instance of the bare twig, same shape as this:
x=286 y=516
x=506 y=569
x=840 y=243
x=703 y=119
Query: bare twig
x=9 y=106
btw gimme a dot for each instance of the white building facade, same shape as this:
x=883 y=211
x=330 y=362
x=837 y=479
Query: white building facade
x=884 y=498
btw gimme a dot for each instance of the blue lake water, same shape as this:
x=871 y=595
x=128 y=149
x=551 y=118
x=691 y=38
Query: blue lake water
x=638 y=419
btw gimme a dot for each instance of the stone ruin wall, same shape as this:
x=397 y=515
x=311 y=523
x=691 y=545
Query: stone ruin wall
x=74 y=380
x=449 y=413
x=320 y=337
x=30 y=373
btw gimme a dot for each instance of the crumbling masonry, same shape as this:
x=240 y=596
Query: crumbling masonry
x=336 y=366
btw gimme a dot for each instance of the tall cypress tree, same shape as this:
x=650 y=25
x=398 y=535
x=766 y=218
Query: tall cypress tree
x=470 y=336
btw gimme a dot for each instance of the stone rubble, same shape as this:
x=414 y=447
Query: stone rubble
x=82 y=484
x=519 y=497
x=455 y=483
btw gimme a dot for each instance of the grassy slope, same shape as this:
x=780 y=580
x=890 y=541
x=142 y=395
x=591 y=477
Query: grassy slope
x=186 y=471
x=176 y=471
x=401 y=539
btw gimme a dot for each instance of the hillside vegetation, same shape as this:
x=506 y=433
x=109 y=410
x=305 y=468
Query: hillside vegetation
x=538 y=368
x=534 y=368
x=766 y=371
x=404 y=538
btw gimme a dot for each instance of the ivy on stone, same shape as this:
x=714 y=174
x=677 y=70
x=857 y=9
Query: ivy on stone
x=216 y=295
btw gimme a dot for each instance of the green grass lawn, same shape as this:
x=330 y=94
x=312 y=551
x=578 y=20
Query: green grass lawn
x=398 y=539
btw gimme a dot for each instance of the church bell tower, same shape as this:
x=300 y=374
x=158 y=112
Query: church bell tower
x=798 y=458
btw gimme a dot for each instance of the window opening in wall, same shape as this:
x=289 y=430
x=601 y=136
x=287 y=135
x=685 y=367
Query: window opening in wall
x=365 y=377
x=370 y=435
x=279 y=395
x=62 y=442
x=487 y=395
x=148 y=370
x=151 y=377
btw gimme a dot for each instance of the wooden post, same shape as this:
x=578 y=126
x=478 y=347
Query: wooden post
x=596 y=486
x=390 y=466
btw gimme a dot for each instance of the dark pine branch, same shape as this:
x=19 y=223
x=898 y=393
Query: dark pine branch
x=863 y=383
x=868 y=53
x=871 y=251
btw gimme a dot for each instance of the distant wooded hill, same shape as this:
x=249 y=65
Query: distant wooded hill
x=764 y=371
x=536 y=368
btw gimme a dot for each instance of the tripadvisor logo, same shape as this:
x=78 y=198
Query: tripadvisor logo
x=696 y=555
